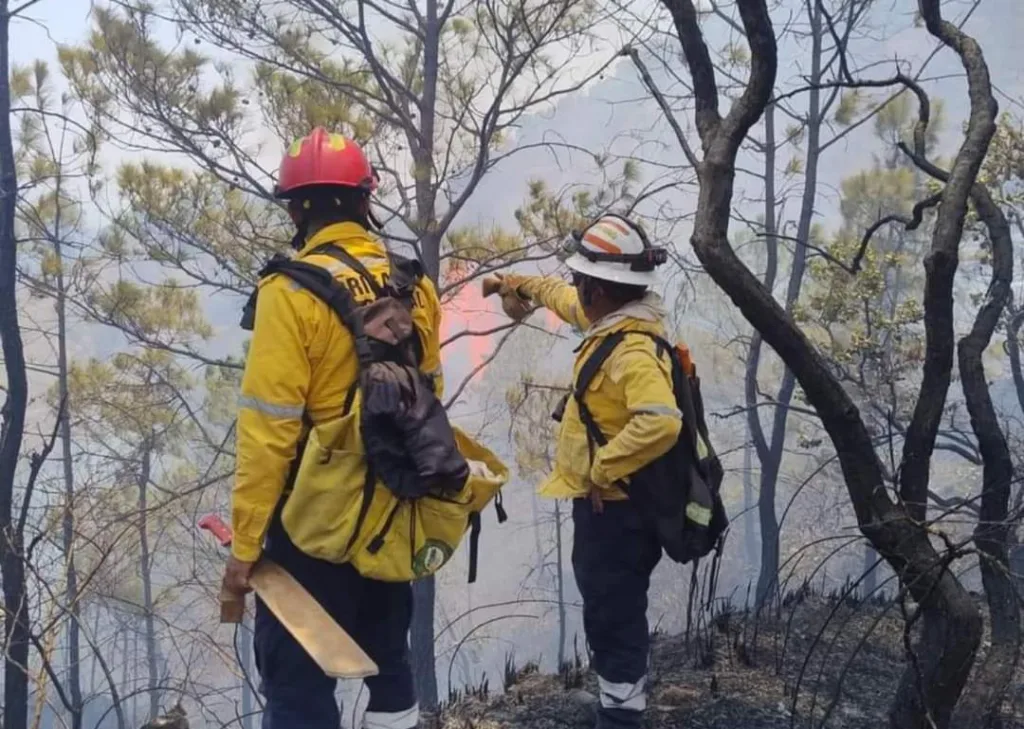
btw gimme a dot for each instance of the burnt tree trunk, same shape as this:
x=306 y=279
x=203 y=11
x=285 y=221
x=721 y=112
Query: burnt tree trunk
x=74 y=668
x=421 y=643
x=768 y=523
x=560 y=582
x=981 y=705
x=421 y=146
x=768 y=582
x=750 y=534
x=146 y=574
x=12 y=567
x=937 y=673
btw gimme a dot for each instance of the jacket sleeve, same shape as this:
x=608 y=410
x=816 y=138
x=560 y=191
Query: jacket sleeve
x=273 y=398
x=552 y=293
x=655 y=421
x=430 y=320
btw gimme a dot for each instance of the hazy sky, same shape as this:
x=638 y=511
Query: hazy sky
x=62 y=21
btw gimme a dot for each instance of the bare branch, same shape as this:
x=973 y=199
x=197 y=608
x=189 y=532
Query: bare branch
x=670 y=117
x=36 y=463
x=21 y=8
x=910 y=224
x=702 y=70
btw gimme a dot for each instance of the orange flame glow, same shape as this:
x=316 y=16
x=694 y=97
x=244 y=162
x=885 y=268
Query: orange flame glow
x=469 y=311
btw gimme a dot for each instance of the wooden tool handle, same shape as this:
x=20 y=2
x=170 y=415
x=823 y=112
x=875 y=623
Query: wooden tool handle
x=232 y=607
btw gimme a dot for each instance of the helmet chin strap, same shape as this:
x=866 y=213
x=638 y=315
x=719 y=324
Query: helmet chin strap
x=374 y=220
x=301 y=232
x=587 y=291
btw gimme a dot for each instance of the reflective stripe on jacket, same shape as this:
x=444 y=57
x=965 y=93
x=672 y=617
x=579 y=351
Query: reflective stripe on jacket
x=631 y=397
x=301 y=359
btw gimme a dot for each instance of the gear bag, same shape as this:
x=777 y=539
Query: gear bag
x=420 y=493
x=678 y=494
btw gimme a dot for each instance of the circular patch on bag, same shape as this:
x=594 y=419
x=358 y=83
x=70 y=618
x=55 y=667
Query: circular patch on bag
x=431 y=557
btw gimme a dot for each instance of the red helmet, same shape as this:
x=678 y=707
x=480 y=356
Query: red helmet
x=324 y=158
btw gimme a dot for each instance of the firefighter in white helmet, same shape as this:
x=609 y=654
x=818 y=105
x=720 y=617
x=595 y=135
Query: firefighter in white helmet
x=631 y=402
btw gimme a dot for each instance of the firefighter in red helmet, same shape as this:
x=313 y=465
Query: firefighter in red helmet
x=300 y=365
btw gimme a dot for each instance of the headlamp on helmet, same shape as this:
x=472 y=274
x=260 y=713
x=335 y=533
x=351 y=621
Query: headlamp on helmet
x=646 y=260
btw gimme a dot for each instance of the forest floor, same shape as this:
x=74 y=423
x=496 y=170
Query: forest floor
x=840 y=659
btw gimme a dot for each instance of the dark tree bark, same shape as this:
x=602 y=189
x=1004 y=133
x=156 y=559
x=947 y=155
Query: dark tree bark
x=145 y=571
x=930 y=693
x=768 y=523
x=421 y=145
x=12 y=568
x=1012 y=347
x=74 y=678
x=982 y=702
x=951 y=625
x=771 y=457
x=245 y=654
x=942 y=261
x=421 y=642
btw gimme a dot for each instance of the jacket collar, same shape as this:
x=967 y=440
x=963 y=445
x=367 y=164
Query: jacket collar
x=646 y=314
x=354 y=238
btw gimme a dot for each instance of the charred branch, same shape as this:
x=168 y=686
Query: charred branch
x=909 y=224
x=982 y=701
x=943 y=259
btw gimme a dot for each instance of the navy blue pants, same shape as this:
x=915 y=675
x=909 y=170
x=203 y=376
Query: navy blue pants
x=613 y=555
x=376 y=614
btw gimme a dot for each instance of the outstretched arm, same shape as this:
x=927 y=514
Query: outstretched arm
x=550 y=292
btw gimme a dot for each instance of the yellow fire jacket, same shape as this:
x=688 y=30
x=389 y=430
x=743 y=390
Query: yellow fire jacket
x=630 y=398
x=301 y=359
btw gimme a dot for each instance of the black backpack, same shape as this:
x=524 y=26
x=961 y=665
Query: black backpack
x=409 y=442
x=678 y=494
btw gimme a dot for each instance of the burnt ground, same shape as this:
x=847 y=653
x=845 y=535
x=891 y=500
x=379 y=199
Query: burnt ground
x=842 y=661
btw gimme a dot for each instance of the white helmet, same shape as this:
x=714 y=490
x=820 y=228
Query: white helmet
x=614 y=248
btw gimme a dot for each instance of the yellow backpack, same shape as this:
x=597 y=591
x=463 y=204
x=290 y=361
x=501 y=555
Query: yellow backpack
x=384 y=537
x=390 y=486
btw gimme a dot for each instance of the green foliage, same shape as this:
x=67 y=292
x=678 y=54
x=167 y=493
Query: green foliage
x=215 y=234
x=533 y=429
x=543 y=220
x=547 y=217
x=869 y=323
x=132 y=395
x=55 y=160
x=294 y=103
x=848 y=108
x=164 y=312
x=1003 y=168
x=430 y=114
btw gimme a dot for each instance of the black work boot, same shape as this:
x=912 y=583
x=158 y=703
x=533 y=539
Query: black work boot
x=619 y=719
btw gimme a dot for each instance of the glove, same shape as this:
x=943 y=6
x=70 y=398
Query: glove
x=514 y=306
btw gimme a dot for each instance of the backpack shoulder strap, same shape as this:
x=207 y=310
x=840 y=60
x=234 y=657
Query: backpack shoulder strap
x=319 y=282
x=339 y=253
x=587 y=373
x=681 y=387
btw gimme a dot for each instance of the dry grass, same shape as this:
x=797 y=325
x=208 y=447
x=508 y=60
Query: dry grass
x=842 y=661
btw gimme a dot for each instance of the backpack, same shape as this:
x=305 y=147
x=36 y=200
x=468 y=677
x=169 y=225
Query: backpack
x=403 y=438
x=677 y=495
